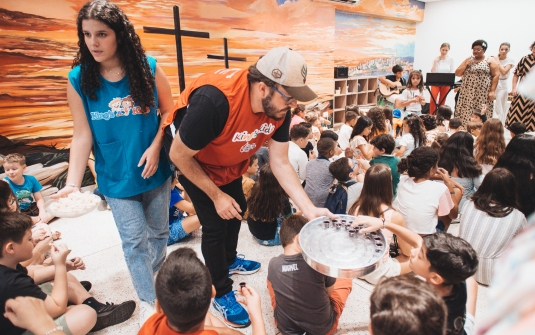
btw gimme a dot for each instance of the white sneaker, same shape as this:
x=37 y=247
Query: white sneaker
x=145 y=311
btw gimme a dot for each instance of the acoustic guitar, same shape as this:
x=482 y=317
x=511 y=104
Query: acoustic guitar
x=387 y=91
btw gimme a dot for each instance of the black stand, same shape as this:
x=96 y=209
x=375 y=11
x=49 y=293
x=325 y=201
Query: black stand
x=442 y=99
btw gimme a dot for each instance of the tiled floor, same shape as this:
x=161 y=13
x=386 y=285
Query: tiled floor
x=94 y=237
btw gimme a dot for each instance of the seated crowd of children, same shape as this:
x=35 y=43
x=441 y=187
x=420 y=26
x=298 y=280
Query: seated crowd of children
x=410 y=176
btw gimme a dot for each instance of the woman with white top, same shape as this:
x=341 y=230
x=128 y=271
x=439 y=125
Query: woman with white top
x=441 y=64
x=505 y=65
x=421 y=201
x=490 y=220
x=412 y=98
x=413 y=136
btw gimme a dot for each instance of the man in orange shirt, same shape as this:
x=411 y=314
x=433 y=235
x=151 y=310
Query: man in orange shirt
x=220 y=120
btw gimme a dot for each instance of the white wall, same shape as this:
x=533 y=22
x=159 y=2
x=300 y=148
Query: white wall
x=461 y=22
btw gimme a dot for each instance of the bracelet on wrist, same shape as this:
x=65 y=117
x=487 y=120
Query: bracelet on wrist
x=53 y=330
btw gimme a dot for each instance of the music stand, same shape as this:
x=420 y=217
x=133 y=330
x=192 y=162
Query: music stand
x=439 y=79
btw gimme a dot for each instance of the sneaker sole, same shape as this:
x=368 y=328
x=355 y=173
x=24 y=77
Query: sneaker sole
x=240 y=272
x=221 y=317
x=122 y=313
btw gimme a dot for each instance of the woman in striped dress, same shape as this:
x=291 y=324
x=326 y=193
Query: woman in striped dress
x=490 y=220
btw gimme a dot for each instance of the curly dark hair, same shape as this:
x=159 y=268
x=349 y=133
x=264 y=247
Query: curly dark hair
x=379 y=122
x=417 y=130
x=429 y=121
x=419 y=162
x=267 y=200
x=129 y=51
x=496 y=195
x=457 y=153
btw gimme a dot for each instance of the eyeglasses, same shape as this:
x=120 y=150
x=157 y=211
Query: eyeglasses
x=289 y=100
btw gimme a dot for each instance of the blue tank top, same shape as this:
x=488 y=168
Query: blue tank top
x=121 y=134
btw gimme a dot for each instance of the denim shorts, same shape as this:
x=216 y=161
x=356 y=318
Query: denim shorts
x=176 y=232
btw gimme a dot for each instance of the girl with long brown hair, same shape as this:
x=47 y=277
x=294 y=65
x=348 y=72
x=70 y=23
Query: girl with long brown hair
x=267 y=206
x=490 y=144
x=412 y=98
x=376 y=200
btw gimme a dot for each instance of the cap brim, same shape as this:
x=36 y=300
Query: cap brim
x=302 y=93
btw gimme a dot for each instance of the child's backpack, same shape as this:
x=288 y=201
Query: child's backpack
x=336 y=201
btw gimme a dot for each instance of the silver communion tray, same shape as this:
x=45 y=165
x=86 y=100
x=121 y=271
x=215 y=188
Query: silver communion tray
x=335 y=249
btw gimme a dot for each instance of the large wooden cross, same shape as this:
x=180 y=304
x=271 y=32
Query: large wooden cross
x=178 y=33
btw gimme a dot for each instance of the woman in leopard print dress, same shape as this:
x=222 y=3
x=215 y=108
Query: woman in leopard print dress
x=480 y=78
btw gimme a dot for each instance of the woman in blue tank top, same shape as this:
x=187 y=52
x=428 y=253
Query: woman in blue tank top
x=117 y=96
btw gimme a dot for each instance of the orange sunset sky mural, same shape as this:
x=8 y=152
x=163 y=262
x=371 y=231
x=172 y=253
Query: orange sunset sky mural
x=38 y=43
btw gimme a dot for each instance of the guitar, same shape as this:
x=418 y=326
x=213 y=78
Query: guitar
x=387 y=91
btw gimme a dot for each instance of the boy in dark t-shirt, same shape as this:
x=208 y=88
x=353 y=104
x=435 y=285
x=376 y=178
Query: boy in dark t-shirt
x=392 y=81
x=383 y=145
x=290 y=283
x=447 y=262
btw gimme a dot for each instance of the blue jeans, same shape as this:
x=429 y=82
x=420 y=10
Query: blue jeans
x=143 y=224
x=276 y=240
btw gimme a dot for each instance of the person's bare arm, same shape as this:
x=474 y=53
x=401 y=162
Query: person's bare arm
x=183 y=157
x=365 y=152
x=82 y=141
x=407 y=239
x=40 y=202
x=504 y=69
x=373 y=224
x=41 y=274
x=401 y=151
x=185 y=206
x=31 y=314
x=495 y=73
x=460 y=70
x=387 y=82
x=56 y=302
x=285 y=174
x=435 y=63
x=151 y=156
x=515 y=82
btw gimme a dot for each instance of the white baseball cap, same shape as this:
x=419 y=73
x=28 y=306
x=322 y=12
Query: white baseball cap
x=289 y=69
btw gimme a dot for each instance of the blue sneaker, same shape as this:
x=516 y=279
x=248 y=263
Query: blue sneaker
x=243 y=267
x=233 y=313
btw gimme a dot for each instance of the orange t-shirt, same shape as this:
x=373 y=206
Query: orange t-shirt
x=226 y=158
x=157 y=325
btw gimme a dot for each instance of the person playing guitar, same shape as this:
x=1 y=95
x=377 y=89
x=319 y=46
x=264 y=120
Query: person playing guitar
x=390 y=86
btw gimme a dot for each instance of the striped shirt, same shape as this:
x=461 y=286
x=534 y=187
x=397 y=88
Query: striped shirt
x=489 y=236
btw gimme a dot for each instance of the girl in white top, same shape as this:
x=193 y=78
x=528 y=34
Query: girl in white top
x=490 y=220
x=376 y=201
x=505 y=65
x=412 y=97
x=441 y=64
x=413 y=136
x=420 y=200
x=359 y=138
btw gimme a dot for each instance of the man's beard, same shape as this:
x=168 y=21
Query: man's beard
x=271 y=111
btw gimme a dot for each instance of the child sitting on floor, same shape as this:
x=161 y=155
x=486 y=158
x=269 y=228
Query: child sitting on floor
x=456 y=125
x=26 y=188
x=516 y=128
x=474 y=128
x=406 y=305
x=247 y=182
x=303 y=299
x=319 y=179
x=184 y=290
x=267 y=206
x=15 y=280
x=383 y=146
x=446 y=262
x=180 y=225
x=479 y=116
x=344 y=171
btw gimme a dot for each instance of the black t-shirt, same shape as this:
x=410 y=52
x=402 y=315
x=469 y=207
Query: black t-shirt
x=309 y=147
x=15 y=283
x=206 y=115
x=456 y=303
x=266 y=230
x=393 y=78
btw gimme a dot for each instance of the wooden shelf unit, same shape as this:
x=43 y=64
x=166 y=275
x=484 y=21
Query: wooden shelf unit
x=351 y=91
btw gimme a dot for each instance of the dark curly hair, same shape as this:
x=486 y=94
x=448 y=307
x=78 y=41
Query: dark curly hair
x=377 y=116
x=496 y=195
x=417 y=130
x=429 y=121
x=457 y=153
x=268 y=199
x=129 y=51
x=419 y=162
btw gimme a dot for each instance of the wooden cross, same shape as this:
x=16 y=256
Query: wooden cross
x=226 y=56
x=178 y=33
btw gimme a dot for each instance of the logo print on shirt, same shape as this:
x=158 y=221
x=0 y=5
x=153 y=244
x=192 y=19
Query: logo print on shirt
x=289 y=268
x=118 y=107
x=225 y=71
x=244 y=136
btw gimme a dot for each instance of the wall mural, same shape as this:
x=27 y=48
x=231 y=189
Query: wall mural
x=38 y=43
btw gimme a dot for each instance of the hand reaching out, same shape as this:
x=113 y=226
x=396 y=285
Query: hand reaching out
x=75 y=263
